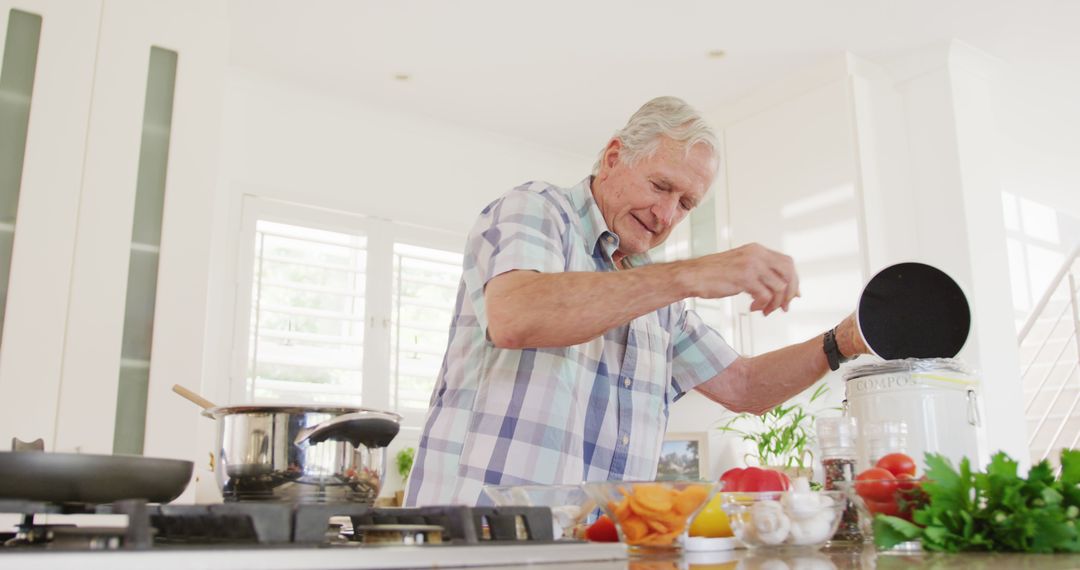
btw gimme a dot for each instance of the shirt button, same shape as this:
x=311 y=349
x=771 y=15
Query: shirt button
x=626 y=382
x=610 y=239
x=626 y=440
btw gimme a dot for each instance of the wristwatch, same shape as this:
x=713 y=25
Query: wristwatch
x=832 y=351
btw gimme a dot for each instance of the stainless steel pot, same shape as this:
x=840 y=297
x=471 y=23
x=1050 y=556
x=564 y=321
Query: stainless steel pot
x=304 y=454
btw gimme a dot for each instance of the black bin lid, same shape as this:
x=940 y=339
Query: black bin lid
x=913 y=310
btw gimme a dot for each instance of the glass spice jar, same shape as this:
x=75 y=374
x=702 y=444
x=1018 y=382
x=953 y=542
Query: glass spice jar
x=885 y=437
x=837 y=439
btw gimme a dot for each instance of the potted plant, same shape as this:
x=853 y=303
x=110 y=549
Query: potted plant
x=403 y=461
x=782 y=436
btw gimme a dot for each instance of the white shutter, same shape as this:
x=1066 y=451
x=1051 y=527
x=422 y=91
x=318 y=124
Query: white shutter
x=307 y=315
x=424 y=292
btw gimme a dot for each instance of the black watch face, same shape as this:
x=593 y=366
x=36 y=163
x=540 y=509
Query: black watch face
x=914 y=310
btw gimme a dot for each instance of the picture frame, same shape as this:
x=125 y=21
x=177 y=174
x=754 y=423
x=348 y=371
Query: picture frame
x=684 y=456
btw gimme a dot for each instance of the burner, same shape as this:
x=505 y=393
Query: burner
x=401 y=533
x=150 y=526
x=137 y=533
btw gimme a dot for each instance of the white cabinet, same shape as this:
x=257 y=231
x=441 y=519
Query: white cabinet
x=62 y=345
x=40 y=277
x=792 y=182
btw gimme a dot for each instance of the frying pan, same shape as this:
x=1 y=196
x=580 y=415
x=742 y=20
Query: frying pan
x=913 y=310
x=93 y=479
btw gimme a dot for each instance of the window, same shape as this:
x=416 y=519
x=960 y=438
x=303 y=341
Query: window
x=342 y=309
x=425 y=289
x=1039 y=238
x=307 y=315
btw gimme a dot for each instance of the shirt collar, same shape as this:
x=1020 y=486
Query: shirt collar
x=592 y=221
x=595 y=228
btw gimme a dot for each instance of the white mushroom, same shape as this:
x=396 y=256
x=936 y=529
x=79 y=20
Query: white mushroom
x=814 y=530
x=802 y=503
x=811 y=513
x=770 y=523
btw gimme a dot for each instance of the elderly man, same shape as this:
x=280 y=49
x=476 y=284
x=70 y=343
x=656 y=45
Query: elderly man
x=567 y=345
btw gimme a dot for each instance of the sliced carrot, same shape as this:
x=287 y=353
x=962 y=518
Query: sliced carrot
x=634 y=529
x=690 y=498
x=655 y=498
x=661 y=539
x=673 y=521
x=657 y=525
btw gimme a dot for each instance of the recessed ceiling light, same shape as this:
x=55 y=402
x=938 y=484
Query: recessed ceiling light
x=402 y=76
x=716 y=54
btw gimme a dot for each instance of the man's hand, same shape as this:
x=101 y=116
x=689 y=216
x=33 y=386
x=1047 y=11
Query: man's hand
x=767 y=276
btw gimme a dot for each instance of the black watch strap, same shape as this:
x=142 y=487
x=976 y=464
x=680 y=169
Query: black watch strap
x=832 y=351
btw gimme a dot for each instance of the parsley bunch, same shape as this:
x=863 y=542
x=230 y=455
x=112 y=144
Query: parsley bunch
x=993 y=511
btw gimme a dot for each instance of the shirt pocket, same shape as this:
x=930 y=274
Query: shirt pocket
x=647 y=373
x=647 y=363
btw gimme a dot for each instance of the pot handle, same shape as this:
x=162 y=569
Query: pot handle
x=366 y=428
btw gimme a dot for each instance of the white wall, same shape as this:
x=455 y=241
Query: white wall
x=285 y=142
x=1039 y=128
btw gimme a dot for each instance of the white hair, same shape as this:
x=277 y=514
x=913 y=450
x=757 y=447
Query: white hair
x=663 y=116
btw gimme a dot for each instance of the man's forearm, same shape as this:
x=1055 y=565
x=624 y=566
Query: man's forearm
x=529 y=309
x=760 y=383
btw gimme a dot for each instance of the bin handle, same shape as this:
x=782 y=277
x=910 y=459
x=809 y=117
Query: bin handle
x=973 y=409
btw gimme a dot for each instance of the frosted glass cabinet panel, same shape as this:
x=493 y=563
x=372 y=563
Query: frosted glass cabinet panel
x=145 y=253
x=16 y=88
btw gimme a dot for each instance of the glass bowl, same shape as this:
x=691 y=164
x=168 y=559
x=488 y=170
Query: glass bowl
x=785 y=520
x=570 y=505
x=652 y=516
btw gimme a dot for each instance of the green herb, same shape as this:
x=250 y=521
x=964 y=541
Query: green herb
x=404 y=461
x=782 y=435
x=993 y=511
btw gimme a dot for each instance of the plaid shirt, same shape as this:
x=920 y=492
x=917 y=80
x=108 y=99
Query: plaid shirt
x=592 y=411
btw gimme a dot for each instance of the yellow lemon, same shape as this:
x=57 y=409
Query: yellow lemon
x=712 y=521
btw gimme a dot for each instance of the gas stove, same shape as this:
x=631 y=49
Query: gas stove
x=275 y=535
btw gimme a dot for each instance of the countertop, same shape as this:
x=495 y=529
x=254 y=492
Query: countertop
x=581 y=556
x=845 y=558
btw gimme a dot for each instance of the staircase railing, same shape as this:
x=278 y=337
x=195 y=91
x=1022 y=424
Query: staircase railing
x=1066 y=281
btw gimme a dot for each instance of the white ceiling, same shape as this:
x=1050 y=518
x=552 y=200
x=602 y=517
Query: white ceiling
x=565 y=74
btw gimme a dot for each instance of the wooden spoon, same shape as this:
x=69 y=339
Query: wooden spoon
x=198 y=400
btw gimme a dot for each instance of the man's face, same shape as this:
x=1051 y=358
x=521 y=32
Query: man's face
x=643 y=202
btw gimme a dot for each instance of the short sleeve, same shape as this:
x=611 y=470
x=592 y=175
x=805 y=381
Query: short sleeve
x=523 y=230
x=698 y=352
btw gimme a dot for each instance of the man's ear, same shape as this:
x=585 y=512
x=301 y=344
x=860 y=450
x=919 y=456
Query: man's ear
x=611 y=155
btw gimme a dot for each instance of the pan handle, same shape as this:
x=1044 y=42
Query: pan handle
x=20 y=445
x=365 y=428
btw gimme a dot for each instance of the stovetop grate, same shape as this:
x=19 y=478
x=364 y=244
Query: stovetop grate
x=304 y=524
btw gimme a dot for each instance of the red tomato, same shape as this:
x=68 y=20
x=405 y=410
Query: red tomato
x=875 y=484
x=898 y=464
x=883 y=507
x=754 y=480
x=905 y=482
x=603 y=530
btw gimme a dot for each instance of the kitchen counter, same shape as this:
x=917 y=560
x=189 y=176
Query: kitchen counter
x=541 y=556
x=843 y=559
